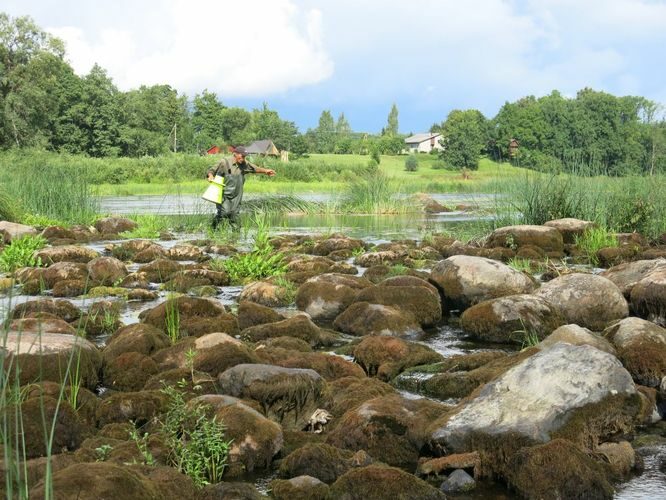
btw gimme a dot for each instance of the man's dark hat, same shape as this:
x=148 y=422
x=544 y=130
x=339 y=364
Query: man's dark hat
x=240 y=150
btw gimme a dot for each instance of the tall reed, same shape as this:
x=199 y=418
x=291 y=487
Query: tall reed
x=51 y=190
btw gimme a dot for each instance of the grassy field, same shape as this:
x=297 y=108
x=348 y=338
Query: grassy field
x=425 y=179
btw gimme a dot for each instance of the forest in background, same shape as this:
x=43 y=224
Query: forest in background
x=45 y=105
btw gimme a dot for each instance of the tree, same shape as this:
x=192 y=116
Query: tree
x=207 y=120
x=267 y=124
x=392 y=122
x=29 y=58
x=463 y=138
x=324 y=134
x=100 y=114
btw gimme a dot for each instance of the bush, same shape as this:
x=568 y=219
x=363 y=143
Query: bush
x=411 y=163
x=195 y=442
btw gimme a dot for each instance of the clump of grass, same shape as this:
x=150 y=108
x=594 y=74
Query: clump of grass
x=9 y=209
x=21 y=253
x=52 y=190
x=172 y=320
x=520 y=264
x=377 y=194
x=288 y=289
x=595 y=239
x=149 y=227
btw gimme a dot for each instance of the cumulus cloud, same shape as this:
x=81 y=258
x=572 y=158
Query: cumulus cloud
x=238 y=49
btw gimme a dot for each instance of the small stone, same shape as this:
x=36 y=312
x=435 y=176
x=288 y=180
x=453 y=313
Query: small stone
x=458 y=482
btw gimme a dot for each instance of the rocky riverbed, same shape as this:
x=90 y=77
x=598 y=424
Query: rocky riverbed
x=408 y=369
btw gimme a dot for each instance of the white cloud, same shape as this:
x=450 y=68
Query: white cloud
x=237 y=49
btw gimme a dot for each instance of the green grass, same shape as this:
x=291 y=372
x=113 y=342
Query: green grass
x=595 y=239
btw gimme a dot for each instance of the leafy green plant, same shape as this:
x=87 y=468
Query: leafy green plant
x=263 y=261
x=196 y=443
x=595 y=239
x=20 y=253
x=528 y=336
x=141 y=441
x=103 y=452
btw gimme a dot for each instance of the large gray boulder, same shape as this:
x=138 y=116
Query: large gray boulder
x=576 y=392
x=466 y=280
x=577 y=335
x=628 y=274
x=327 y=295
x=11 y=230
x=585 y=299
x=641 y=347
x=570 y=228
x=512 y=319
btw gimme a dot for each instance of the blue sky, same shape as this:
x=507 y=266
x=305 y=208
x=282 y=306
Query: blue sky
x=359 y=57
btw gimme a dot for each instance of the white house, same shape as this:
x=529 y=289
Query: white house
x=423 y=143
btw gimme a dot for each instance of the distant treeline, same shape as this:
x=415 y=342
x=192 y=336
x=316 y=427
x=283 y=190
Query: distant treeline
x=45 y=105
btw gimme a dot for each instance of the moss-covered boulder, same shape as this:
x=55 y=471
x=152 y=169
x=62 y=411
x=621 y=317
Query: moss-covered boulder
x=558 y=469
x=626 y=275
x=648 y=297
x=152 y=253
x=376 y=482
x=140 y=407
x=335 y=244
x=255 y=439
x=575 y=392
x=42 y=323
x=547 y=238
x=511 y=319
x=115 y=225
x=231 y=490
x=325 y=296
x=185 y=251
x=364 y=318
x=641 y=346
x=60 y=308
x=299 y=326
x=267 y=293
x=466 y=280
x=129 y=371
x=350 y=392
x=587 y=300
x=47 y=356
x=288 y=396
x=309 y=264
x=38 y=415
x=106 y=271
x=329 y=366
x=252 y=314
x=323 y=461
x=420 y=301
x=63 y=271
x=459 y=376
x=66 y=253
x=385 y=357
x=184 y=313
x=137 y=337
x=299 y=488
x=96 y=480
x=69 y=288
x=390 y=428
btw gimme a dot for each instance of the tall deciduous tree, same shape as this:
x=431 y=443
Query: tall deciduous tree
x=463 y=138
x=324 y=134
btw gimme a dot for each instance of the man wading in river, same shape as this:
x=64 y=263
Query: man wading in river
x=233 y=169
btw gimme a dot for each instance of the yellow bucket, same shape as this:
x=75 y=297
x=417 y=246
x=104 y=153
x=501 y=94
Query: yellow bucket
x=214 y=190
